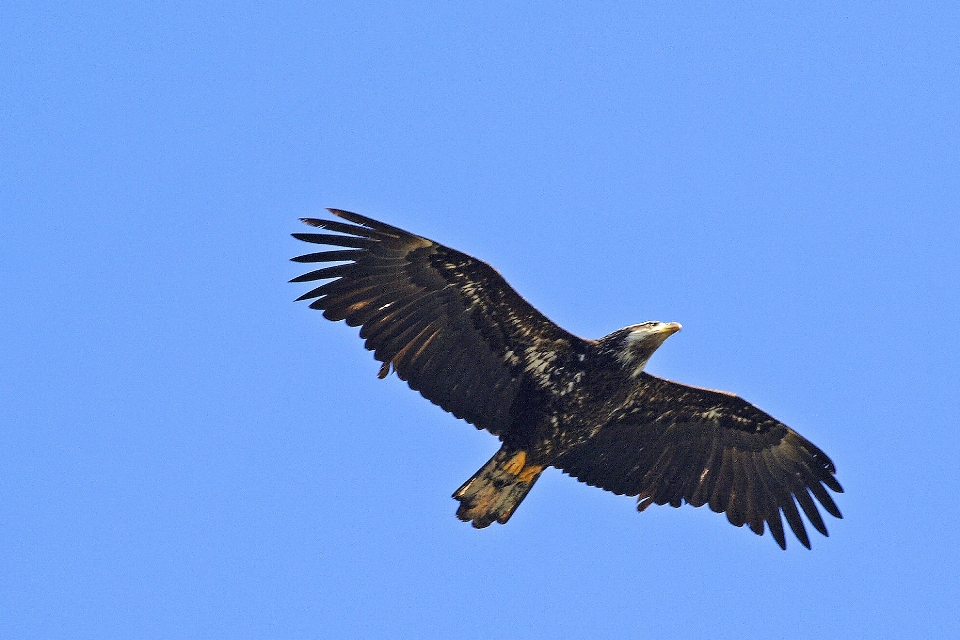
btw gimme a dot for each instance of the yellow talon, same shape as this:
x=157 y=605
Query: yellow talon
x=529 y=474
x=515 y=464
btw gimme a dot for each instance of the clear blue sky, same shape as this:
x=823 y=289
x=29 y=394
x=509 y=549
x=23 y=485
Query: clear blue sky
x=186 y=453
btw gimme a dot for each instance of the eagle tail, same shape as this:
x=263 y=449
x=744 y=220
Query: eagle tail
x=497 y=489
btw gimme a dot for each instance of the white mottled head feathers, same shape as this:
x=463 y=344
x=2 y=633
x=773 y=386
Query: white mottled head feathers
x=641 y=340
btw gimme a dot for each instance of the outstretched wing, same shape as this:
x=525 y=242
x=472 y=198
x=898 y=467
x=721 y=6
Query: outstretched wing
x=674 y=444
x=448 y=324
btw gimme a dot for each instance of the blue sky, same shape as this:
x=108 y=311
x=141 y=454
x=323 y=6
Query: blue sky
x=185 y=452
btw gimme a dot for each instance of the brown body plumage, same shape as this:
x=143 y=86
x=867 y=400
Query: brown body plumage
x=454 y=330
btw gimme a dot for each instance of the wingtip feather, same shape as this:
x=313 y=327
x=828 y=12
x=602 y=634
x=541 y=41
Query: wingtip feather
x=370 y=223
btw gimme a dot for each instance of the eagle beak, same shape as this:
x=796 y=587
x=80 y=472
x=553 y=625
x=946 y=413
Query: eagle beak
x=670 y=328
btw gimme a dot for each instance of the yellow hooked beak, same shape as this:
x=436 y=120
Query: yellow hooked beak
x=670 y=328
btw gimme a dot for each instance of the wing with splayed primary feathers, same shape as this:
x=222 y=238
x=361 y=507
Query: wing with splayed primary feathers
x=675 y=443
x=448 y=324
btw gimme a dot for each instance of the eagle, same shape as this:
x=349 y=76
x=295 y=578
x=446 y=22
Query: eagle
x=451 y=327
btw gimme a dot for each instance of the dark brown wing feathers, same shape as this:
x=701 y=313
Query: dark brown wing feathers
x=676 y=444
x=448 y=324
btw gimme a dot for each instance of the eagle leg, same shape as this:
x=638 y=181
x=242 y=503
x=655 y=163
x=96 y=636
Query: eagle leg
x=497 y=489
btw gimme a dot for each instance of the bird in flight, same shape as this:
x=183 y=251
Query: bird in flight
x=451 y=327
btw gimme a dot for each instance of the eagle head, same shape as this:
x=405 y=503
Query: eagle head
x=634 y=345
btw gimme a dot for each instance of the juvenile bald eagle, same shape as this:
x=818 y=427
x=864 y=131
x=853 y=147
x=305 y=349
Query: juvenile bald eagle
x=454 y=330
